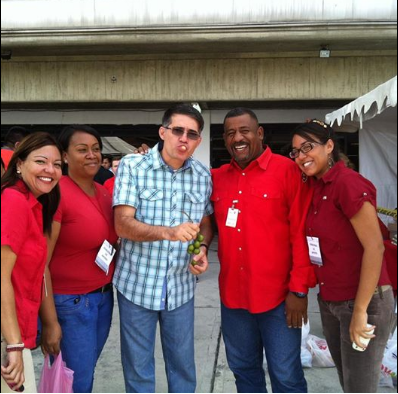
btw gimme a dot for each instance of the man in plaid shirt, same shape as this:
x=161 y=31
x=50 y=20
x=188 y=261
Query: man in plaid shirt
x=162 y=202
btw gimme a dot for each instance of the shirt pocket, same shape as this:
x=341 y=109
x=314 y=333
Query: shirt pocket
x=221 y=203
x=152 y=206
x=266 y=203
x=194 y=205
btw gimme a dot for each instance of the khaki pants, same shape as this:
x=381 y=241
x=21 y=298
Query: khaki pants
x=30 y=383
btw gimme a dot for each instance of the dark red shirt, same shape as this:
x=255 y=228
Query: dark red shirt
x=338 y=196
x=22 y=231
x=86 y=222
x=266 y=255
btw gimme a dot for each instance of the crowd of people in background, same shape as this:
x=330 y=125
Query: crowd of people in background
x=124 y=224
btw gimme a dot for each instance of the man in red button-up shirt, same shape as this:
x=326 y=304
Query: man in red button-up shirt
x=260 y=207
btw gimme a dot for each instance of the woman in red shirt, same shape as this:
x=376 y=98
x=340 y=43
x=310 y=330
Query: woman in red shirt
x=29 y=199
x=83 y=293
x=346 y=247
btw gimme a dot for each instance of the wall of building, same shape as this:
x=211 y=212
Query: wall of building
x=257 y=78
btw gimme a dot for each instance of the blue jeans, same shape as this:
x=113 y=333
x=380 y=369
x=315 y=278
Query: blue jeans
x=85 y=320
x=138 y=334
x=246 y=335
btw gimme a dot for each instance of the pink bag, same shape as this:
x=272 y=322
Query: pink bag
x=55 y=379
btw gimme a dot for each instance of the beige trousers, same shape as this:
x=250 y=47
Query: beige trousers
x=30 y=382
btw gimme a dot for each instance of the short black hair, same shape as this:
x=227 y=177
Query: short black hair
x=239 y=111
x=15 y=134
x=183 y=109
x=68 y=131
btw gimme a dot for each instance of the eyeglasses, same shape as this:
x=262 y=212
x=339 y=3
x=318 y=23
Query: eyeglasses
x=180 y=131
x=305 y=148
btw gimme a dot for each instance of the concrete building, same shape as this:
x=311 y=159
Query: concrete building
x=118 y=64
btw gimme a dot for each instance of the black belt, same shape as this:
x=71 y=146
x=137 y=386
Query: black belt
x=102 y=289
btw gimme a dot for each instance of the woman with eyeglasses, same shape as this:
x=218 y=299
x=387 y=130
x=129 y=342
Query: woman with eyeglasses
x=346 y=247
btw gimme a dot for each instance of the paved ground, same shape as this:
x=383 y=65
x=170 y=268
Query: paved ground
x=212 y=370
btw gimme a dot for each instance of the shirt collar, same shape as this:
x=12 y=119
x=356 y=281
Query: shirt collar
x=332 y=174
x=32 y=200
x=261 y=161
x=158 y=161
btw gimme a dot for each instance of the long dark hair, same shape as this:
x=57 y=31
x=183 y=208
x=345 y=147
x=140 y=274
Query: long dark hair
x=49 y=201
x=320 y=130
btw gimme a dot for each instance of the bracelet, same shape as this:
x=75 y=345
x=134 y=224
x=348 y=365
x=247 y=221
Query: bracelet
x=205 y=246
x=18 y=347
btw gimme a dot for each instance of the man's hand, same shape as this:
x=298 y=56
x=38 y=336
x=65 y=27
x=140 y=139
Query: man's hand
x=51 y=338
x=296 y=310
x=184 y=232
x=201 y=262
x=142 y=150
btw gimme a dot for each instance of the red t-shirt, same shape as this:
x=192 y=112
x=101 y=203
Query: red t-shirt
x=85 y=223
x=338 y=196
x=22 y=230
x=110 y=184
x=266 y=255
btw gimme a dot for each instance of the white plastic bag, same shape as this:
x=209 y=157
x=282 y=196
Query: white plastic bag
x=306 y=356
x=319 y=349
x=389 y=364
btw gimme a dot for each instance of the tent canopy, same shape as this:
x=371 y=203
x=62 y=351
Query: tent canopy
x=116 y=146
x=368 y=106
x=376 y=113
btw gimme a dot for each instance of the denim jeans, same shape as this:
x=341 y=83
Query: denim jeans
x=246 y=335
x=359 y=372
x=85 y=320
x=138 y=334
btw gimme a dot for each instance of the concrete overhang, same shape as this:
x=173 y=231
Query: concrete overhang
x=220 y=39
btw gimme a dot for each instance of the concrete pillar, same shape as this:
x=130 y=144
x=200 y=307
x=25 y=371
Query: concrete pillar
x=203 y=152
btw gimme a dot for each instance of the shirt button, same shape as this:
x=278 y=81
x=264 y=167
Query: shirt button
x=365 y=194
x=241 y=268
x=243 y=174
x=315 y=212
x=240 y=249
x=265 y=195
x=322 y=283
x=238 y=230
x=240 y=192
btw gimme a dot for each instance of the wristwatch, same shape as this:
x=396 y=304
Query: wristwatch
x=299 y=295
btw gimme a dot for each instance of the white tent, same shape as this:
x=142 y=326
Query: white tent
x=376 y=113
x=116 y=146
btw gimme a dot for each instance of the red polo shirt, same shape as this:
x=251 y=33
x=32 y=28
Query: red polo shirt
x=338 y=196
x=22 y=230
x=266 y=255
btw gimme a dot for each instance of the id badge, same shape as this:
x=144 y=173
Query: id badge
x=105 y=256
x=315 y=251
x=232 y=218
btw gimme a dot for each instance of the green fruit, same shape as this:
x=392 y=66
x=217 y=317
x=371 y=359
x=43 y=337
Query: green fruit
x=191 y=248
x=196 y=251
x=193 y=263
x=197 y=244
x=200 y=238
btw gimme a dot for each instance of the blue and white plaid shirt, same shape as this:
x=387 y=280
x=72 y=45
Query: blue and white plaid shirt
x=155 y=275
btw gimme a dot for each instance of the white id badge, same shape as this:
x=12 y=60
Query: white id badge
x=315 y=251
x=105 y=256
x=232 y=219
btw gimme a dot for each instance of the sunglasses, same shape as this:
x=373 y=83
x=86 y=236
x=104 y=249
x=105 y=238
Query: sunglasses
x=180 y=131
x=306 y=147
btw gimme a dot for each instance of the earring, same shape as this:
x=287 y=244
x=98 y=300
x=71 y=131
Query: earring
x=304 y=177
x=330 y=162
x=66 y=161
x=18 y=172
